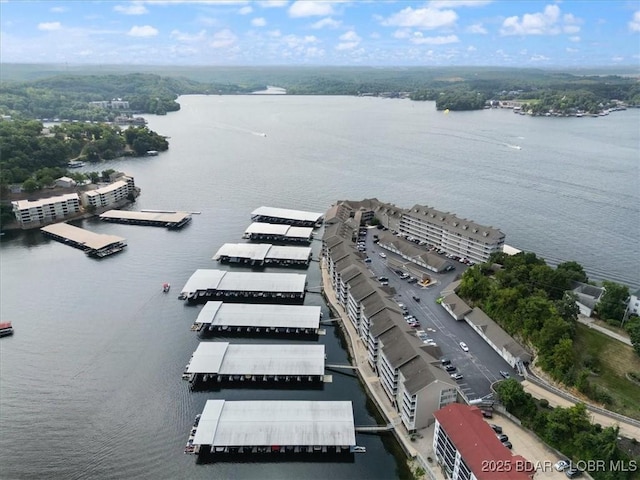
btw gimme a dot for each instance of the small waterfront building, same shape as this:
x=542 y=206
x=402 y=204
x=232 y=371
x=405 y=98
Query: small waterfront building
x=263 y=254
x=464 y=444
x=299 y=218
x=253 y=318
x=223 y=361
x=276 y=426
x=36 y=213
x=171 y=220
x=274 y=232
x=65 y=182
x=633 y=305
x=587 y=297
x=210 y=284
x=93 y=244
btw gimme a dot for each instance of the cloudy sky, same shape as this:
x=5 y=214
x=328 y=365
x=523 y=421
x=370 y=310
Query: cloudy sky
x=569 y=33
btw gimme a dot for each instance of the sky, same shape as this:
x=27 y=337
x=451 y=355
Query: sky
x=509 y=33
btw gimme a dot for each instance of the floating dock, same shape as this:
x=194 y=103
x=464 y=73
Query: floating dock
x=263 y=255
x=171 y=220
x=273 y=232
x=276 y=427
x=93 y=244
x=258 y=320
x=298 y=218
x=205 y=285
x=256 y=364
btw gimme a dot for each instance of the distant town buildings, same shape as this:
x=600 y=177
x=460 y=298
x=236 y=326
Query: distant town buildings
x=115 y=104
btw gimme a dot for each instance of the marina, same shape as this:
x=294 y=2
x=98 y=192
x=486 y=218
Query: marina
x=273 y=232
x=211 y=284
x=255 y=364
x=263 y=254
x=276 y=427
x=258 y=320
x=298 y=218
x=170 y=220
x=93 y=244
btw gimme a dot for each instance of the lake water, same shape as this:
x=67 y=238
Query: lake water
x=90 y=383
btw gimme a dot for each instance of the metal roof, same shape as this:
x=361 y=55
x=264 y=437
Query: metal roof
x=287 y=214
x=262 y=251
x=256 y=359
x=26 y=204
x=146 y=216
x=92 y=240
x=211 y=279
x=261 y=228
x=254 y=315
x=267 y=423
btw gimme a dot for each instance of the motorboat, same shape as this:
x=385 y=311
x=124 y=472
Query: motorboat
x=166 y=287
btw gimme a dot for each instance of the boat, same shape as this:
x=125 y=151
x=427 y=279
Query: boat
x=166 y=287
x=75 y=164
x=6 y=329
x=358 y=449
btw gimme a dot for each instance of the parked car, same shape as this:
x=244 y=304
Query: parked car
x=450 y=368
x=383 y=279
x=504 y=374
x=445 y=361
x=572 y=472
x=496 y=428
x=502 y=437
x=507 y=444
x=412 y=280
x=383 y=255
x=367 y=260
x=464 y=347
x=417 y=299
x=562 y=465
x=456 y=376
x=487 y=413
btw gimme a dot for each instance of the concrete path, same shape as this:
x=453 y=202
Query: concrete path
x=591 y=323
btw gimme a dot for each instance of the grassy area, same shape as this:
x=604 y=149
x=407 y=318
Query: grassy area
x=614 y=360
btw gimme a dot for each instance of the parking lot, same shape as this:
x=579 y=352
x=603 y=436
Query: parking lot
x=480 y=366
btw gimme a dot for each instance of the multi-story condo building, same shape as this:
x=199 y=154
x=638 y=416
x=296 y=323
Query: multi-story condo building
x=41 y=212
x=110 y=194
x=454 y=235
x=467 y=448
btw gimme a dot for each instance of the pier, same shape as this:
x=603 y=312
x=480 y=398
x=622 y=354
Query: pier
x=263 y=255
x=170 y=220
x=93 y=244
x=272 y=232
x=298 y=218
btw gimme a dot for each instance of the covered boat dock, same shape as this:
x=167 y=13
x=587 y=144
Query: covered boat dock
x=264 y=254
x=272 y=232
x=93 y=244
x=206 y=284
x=171 y=220
x=275 y=426
x=298 y=218
x=256 y=363
x=254 y=319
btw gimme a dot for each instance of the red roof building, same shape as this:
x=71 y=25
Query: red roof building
x=468 y=449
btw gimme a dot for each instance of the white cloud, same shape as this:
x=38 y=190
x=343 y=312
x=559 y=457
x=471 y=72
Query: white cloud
x=402 y=33
x=477 y=28
x=134 y=8
x=617 y=58
x=314 y=52
x=274 y=33
x=471 y=48
x=539 y=58
x=418 y=39
x=542 y=23
x=273 y=3
x=303 y=8
x=422 y=18
x=142 y=31
x=58 y=9
x=258 y=22
x=326 y=22
x=374 y=35
x=458 y=3
x=575 y=38
x=571 y=50
x=223 y=38
x=187 y=37
x=634 y=24
x=246 y=10
x=49 y=26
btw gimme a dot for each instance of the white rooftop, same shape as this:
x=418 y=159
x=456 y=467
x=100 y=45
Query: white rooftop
x=262 y=251
x=278 y=229
x=257 y=359
x=254 y=315
x=223 y=280
x=147 y=216
x=286 y=213
x=27 y=204
x=92 y=240
x=268 y=423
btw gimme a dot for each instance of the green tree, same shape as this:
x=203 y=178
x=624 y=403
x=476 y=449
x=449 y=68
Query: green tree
x=474 y=285
x=613 y=303
x=30 y=185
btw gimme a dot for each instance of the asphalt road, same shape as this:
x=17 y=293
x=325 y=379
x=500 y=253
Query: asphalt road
x=480 y=366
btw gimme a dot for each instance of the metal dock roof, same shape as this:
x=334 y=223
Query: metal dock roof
x=224 y=358
x=175 y=217
x=223 y=280
x=267 y=423
x=262 y=251
x=95 y=241
x=260 y=228
x=286 y=213
x=253 y=315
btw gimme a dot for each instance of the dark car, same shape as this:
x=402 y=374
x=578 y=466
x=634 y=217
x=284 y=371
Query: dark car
x=573 y=472
x=504 y=374
x=507 y=444
x=450 y=368
x=412 y=280
x=502 y=437
x=417 y=299
x=496 y=428
x=487 y=413
x=445 y=361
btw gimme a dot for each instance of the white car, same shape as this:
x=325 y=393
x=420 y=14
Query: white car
x=561 y=466
x=383 y=255
x=464 y=347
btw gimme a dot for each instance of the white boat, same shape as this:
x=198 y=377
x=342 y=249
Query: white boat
x=75 y=164
x=166 y=287
x=357 y=449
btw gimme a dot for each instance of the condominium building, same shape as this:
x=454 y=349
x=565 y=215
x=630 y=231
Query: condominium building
x=467 y=448
x=110 y=194
x=30 y=214
x=450 y=233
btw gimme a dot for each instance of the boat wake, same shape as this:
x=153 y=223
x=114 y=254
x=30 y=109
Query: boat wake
x=259 y=134
x=516 y=147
